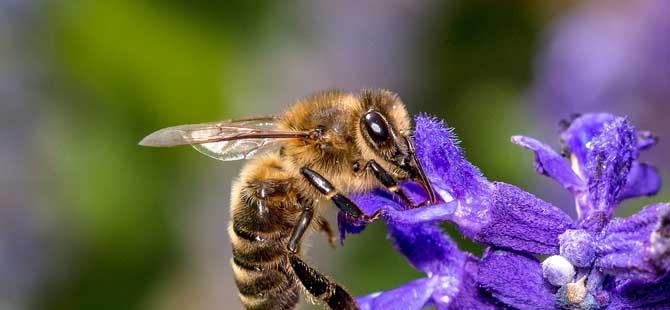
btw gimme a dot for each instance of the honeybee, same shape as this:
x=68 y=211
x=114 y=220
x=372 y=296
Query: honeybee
x=322 y=148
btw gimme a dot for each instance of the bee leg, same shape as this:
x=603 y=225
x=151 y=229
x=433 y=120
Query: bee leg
x=314 y=282
x=389 y=182
x=341 y=202
x=324 y=226
x=300 y=228
x=321 y=287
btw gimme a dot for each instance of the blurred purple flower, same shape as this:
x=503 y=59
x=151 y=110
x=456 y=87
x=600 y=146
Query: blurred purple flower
x=28 y=247
x=607 y=54
x=611 y=256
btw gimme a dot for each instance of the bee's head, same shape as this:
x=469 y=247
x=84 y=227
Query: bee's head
x=385 y=134
x=383 y=125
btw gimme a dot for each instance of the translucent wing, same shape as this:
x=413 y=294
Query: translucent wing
x=237 y=149
x=227 y=140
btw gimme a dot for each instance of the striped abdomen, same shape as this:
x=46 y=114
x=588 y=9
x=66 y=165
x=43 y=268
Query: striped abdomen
x=263 y=215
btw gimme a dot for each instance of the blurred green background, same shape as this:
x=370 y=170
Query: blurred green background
x=90 y=220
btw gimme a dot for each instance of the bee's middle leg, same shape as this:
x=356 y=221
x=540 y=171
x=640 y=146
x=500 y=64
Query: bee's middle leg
x=300 y=228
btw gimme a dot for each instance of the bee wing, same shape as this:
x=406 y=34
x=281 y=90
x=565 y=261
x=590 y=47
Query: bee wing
x=237 y=149
x=227 y=140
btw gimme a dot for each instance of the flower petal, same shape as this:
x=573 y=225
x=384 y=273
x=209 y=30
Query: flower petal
x=515 y=279
x=414 y=295
x=581 y=131
x=640 y=295
x=369 y=204
x=427 y=214
x=608 y=160
x=646 y=140
x=428 y=248
x=523 y=222
x=469 y=295
x=643 y=180
x=636 y=247
x=443 y=292
x=449 y=172
x=451 y=175
x=551 y=164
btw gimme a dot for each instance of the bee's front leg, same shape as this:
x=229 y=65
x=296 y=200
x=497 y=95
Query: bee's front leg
x=389 y=182
x=341 y=201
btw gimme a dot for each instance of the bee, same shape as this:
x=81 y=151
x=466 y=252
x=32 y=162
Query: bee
x=321 y=149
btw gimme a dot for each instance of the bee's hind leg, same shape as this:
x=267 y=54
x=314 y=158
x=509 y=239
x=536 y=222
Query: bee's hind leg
x=314 y=282
x=321 y=287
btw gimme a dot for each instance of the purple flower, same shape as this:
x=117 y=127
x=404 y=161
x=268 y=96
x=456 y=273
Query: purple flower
x=603 y=167
x=493 y=213
x=596 y=260
x=450 y=273
x=490 y=212
x=601 y=171
x=606 y=54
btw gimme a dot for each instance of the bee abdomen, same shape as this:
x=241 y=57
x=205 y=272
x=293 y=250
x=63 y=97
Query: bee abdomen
x=249 y=248
x=263 y=284
x=264 y=211
x=262 y=275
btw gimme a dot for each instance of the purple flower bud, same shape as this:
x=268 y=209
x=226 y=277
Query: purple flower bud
x=576 y=245
x=608 y=160
x=558 y=270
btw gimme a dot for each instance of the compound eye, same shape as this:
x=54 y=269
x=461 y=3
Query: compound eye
x=377 y=127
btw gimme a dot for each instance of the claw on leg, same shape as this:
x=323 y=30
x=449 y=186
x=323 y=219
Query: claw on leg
x=324 y=226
